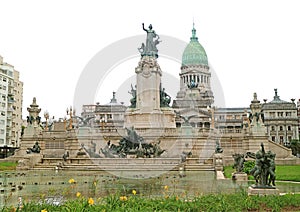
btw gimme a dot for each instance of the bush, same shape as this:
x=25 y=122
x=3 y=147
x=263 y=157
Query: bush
x=248 y=165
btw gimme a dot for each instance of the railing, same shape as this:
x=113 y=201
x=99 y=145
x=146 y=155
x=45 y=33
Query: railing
x=230 y=131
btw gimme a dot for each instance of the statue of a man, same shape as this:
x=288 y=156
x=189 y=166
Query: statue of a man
x=150 y=48
x=35 y=149
x=133 y=99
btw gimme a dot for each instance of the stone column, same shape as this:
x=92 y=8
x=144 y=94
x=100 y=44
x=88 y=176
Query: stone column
x=148 y=84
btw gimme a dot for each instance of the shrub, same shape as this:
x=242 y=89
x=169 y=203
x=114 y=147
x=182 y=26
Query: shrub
x=248 y=165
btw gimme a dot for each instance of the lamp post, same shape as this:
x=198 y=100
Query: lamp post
x=71 y=113
x=46 y=115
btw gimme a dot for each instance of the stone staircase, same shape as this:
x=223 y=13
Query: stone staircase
x=124 y=164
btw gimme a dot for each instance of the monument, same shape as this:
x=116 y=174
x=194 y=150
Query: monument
x=116 y=137
x=264 y=173
x=150 y=102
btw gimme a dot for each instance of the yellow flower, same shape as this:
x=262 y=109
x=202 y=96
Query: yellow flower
x=166 y=187
x=91 y=201
x=134 y=192
x=44 y=210
x=177 y=198
x=71 y=181
x=166 y=196
x=123 y=198
x=78 y=194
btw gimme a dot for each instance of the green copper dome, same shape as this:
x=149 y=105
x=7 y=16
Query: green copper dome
x=194 y=53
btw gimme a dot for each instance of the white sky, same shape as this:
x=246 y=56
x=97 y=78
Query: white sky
x=253 y=46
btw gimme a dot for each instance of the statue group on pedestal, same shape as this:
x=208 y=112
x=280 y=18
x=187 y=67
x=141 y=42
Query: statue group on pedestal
x=132 y=144
x=264 y=169
x=152 y=40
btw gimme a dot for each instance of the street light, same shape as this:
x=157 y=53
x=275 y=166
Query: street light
x=71 y=113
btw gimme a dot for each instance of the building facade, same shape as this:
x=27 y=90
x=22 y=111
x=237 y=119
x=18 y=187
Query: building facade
x=107 y=116
x=281 y=120
x=11 y=99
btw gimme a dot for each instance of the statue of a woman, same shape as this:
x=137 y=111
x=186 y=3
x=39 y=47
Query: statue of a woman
x=150 y=48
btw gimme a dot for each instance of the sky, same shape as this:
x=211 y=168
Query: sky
x=252 y=46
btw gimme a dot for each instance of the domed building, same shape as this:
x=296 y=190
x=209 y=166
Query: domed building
x=195 y=96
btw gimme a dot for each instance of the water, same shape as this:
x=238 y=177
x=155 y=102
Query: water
x=54 y=186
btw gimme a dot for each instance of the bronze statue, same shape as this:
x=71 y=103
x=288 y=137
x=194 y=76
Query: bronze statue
x=218 y=147
x=192 y=84
x=239 y=160
x=150 y=48
x=264 y=169
x=133 y=99
x=35 y=149
x=132 y=144
x=165 y=99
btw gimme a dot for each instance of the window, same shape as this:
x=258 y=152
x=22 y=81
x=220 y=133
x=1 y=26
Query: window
x=4 y=79
x=281 y=139
x=273 y=138
x=272 y=128
x=272 y=114
x=2 y=113
x=289 y=128
x=221 y=117
x=281 y=128
x=1 y=131
x=280 y=114
x=288 y=114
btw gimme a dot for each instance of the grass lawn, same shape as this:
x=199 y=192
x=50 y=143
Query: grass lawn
x=7 y=166
x=288 y=173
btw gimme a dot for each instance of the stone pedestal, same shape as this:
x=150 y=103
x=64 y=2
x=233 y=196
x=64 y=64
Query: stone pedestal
x=239 y=176
x=218 y=161
x=262 y=191
x=155 y=119
x=148 y=112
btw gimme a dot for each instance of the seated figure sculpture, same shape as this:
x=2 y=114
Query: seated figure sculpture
x=35 y=149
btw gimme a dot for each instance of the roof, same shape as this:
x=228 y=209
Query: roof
x=194 y=53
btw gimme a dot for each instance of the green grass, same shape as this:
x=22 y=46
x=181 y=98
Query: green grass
x=214 y=202
x=8 y=166
x=283 y=172
x=288 y=173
